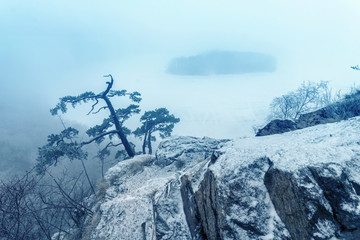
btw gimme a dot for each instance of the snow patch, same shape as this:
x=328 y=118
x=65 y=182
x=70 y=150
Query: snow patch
x=325 y=229
x=294 y=150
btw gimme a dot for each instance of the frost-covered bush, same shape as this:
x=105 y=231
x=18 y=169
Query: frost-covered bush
x=312 y=96
x=308 y=97
x=348 y=106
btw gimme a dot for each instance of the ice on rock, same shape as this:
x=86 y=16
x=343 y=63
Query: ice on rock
x=303 y=184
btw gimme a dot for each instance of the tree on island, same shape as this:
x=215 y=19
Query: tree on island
x=158 y=120
x=65 y=145
x=355 y=67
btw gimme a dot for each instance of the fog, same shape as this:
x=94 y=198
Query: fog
x=222 y=63
x=52 y=49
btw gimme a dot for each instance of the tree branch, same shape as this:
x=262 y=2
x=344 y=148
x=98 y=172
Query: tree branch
x=79 y=99
x=111 y=144
x=70 y=199
x=110 y=84
x=97 y=137
x=93 y=106
x=104 y=107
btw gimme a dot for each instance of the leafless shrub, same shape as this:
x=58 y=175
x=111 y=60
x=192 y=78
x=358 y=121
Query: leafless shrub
x=34 y=207
x=348 y=106
x=309 y=96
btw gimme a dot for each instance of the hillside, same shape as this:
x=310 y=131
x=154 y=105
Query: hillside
x=303 y=184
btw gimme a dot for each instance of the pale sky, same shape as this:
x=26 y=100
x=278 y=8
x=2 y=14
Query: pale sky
x=49 y=49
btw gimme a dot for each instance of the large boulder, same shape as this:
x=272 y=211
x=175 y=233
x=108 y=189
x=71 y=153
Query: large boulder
x=277 y=126
x=297 y=185
x=321 y=116
x=344 y=109
x=184 y=149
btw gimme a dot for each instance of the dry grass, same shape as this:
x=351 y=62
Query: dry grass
x=101 y=189
x=133 y=167
x=95 y=219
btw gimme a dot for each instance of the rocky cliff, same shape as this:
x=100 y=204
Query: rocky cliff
x=303 y=184
x=343 y=109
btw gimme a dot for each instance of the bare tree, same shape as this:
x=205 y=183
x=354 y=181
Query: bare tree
x=14 y=213
x=307 y=97
x=36 y=207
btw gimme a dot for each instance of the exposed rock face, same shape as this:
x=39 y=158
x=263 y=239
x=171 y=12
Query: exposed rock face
x=316 y=202
x=320 y=116
x=209 y=207
x=297 y=185
x=277 y=126
x=191 y=148
x=246 y=203
x=346 y=108
x=190 y=207
x=300 y=204
x=341 y=195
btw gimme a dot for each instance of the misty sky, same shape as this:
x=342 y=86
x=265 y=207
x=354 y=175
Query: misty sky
x=49 y=49
x=222 y=63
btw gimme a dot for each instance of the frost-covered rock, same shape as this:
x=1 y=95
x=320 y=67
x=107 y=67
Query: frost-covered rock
x=277 y=126
x=321 y=116
x=185 y=149
x=144 y=199
x=303 y=184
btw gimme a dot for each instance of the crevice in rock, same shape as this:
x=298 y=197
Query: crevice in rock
x=161 y=227
x=143 y=225
x=291 y=202
x=189 y=206
x=213 y=158
x=154 y=215
x=356 y=187
x=247 y=227
x=287 y=202
x=202 y=208
x=338 y=190
x=207 y=201
x=326 y=195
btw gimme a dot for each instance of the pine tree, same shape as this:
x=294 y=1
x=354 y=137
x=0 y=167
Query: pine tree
x=158 y=120
x=65 y=145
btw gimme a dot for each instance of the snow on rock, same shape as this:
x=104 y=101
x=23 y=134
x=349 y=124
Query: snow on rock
x=143 y=200
x=336 y=142
x=185 y=149
x=303 y=184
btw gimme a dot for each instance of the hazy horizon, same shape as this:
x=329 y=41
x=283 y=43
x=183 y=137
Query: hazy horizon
x=52 y=49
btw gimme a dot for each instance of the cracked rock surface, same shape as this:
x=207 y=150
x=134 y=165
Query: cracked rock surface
x=303 y=184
